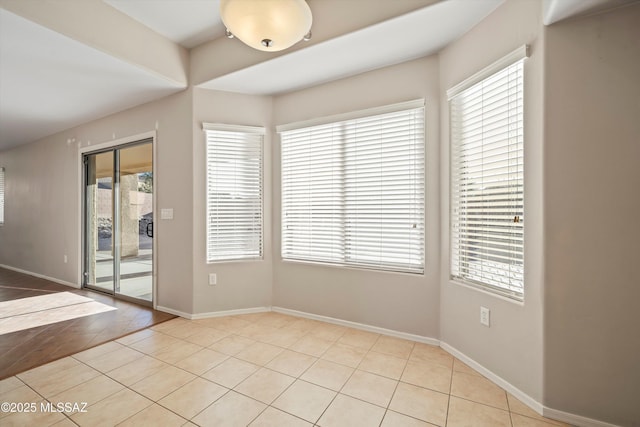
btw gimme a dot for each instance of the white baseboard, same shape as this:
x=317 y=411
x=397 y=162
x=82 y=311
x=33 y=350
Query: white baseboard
x=213 y=313
x=41 y=276
x=347 y=323
x=231 y=312
x=574 y=419
x=545 y=411
x=176 y=312
x=355 y=325
x=522 y=396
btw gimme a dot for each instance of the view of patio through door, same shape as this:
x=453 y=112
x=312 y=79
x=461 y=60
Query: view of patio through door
x=118 y=221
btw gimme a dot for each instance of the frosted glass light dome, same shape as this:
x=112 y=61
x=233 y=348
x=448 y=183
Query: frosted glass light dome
x=268 y=25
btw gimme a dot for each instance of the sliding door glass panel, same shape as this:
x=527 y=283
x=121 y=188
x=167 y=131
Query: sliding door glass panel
x=99 y=221
x=135 y=221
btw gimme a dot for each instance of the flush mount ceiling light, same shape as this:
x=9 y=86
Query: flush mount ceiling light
x=268 y=25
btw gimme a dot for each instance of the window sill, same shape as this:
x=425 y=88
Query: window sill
x=234 y=261
x=352 y=267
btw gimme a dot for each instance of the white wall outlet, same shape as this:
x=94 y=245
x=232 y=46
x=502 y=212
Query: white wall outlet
x=213 y=279
x=485 y=314
x=65 y=259
x=166 y=213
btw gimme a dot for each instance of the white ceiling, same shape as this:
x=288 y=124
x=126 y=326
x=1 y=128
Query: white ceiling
x=186 y=22
x=50 y=82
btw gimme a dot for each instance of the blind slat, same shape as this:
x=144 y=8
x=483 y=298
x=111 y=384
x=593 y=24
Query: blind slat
x=353 y=192
x=234 y=193
x=487 y=175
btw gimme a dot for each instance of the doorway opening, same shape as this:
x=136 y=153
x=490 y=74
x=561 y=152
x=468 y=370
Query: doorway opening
x=118 y=221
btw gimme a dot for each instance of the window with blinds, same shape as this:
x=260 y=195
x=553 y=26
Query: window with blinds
x=234 y=192
x=1 y=195
x=487 y=179
x=353 y=191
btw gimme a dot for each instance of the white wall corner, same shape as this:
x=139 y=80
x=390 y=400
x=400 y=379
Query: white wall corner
x=545 y=411
x=519 y=394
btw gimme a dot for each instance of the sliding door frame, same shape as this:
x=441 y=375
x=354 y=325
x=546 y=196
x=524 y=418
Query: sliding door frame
x=108 y=146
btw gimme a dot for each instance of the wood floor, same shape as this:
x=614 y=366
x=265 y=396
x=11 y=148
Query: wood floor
x=26 y=349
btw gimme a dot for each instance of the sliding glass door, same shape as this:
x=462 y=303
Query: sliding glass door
x=118 y=221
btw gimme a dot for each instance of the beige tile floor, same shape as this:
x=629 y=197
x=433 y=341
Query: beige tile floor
x=265 y=369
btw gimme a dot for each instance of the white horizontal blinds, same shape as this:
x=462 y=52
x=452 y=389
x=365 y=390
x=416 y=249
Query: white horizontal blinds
x=1 y=195
x=312 y=194
x=384 y=191
x=487 y=182
x=234 y=195
x=353 y=192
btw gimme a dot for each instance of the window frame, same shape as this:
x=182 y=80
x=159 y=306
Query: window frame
x=244 y=131
x=347 y=240
x=515 y=57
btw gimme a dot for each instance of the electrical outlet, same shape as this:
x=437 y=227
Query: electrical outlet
x=485 y=314
x=166 y=213
x=213 y=279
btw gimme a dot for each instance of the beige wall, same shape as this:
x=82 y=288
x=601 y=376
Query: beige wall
x=512 y=346
x=401 y=302
x=592 y=200
x=42 y=216
x=240 y=284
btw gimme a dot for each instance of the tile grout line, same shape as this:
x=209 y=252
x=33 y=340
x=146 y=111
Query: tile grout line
x=299 y=377
x=345 y=383
x=446 y=419
x=228 y=389
x=171 y=364
x=255 y=339
x=265 y=367
x=109 y=395
x=318 y=358
x=406 y=362
x=154 y=402
x=115 y=380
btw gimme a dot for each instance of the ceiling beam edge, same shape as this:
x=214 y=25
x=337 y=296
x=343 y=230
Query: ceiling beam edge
x=102 y=27
x=332 y=19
